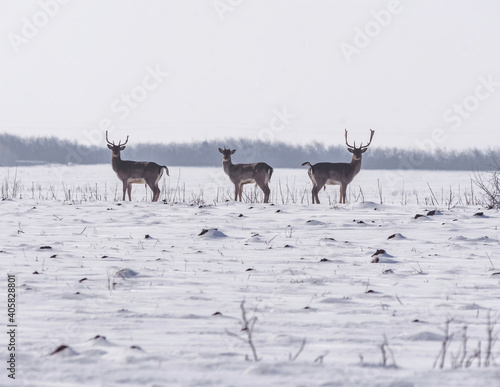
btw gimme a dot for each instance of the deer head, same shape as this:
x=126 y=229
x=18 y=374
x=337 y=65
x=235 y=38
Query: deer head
x=357 y=152
x=116 y=149
x=226 y=153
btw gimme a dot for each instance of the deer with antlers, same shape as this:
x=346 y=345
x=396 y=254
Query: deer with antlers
x=337 y=173
x=135 y=172
x=241 y=174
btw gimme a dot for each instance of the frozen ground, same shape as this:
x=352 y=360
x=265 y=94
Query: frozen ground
x=149 y=294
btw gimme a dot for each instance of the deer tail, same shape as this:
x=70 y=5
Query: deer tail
x=307 y=163
x=270 y=173
x=166 y=169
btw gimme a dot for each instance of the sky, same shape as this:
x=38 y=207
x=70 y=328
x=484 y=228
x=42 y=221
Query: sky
x=422 y=74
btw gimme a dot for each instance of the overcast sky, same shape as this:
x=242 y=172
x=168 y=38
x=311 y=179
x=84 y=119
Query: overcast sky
x=422 y=74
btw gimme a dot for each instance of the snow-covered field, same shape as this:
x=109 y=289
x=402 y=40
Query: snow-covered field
x=114 y=293
x=209 y=185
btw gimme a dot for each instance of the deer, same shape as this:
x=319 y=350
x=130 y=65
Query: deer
x=135 y=172
x=337 y=173
x=241 y=174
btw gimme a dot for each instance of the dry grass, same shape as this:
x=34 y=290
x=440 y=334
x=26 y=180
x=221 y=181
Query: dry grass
x=284 y=192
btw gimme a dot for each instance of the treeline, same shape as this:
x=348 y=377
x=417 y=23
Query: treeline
x=15 y=150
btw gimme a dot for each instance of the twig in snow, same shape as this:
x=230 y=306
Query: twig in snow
x=270 y=240
x=320 y=358
x=475 y=355
x=492 y=338
x=444 y=346
x=419 y=270
x=433 y=196
x=491 y=262
x=385 y=348
x=293 y=358
x=248 y=326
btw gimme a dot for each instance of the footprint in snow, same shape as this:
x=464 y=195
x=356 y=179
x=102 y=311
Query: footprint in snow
x=126 y=273
x=425 y=336
x=131 y=354
x=314 y=222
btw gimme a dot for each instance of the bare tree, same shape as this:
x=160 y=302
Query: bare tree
x=489 y=183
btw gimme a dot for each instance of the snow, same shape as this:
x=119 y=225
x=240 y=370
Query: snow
x=129 y=293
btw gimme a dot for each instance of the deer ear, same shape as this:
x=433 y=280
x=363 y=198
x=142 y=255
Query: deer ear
x=110 y=147
x=350 y=150
x=364 y=150
x=122 y=147
x=234 y=150
x=220 y=150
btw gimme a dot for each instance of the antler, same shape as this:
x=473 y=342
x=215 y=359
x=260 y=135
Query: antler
x=369 y=142
x=120 y=143
x=350 y=146
x=110 y=143
x=361 y=146
x=113 y=143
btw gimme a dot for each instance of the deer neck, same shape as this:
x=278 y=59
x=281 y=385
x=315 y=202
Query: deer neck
x=356 y=165
x=227 y=165
x=116 y=162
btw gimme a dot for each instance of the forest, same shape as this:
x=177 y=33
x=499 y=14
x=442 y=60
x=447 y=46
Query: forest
x=17 y=150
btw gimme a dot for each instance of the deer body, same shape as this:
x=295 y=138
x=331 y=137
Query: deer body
x=138 y=172
x=135 y=172
x=342 y=174
x=241 y=174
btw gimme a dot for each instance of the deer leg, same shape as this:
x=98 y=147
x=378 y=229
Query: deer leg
x=124 y=189
x=315 y=198
x=154 y=185
x=236 y=192
x=156 y=191
x=156 y=194
x=342 y=194
x=318 y=184
x=129 y=190
x=267 y=192
x=265 y=188
x=240 y=191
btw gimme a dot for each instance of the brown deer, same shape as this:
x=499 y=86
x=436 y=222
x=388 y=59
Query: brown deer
x=240 y=174
x=337 y=173
x=135 y=172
